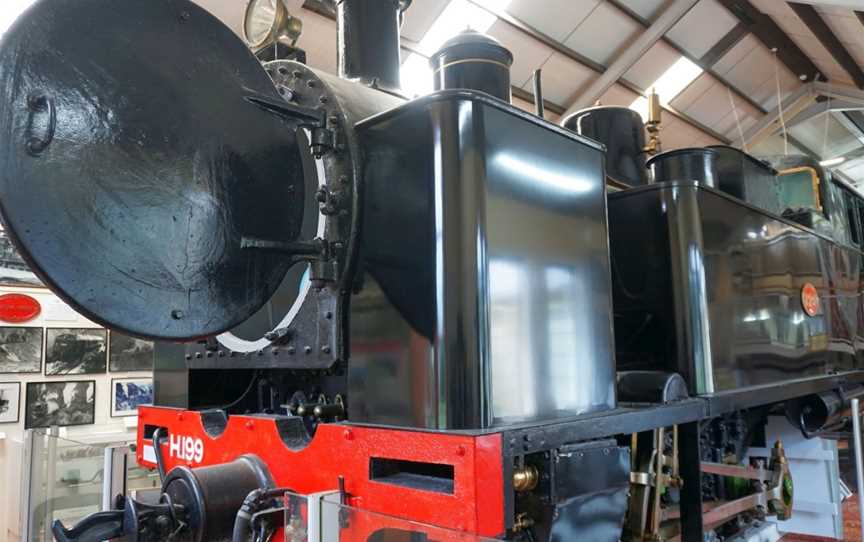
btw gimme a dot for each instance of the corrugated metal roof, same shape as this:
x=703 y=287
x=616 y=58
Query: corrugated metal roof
x=572 y=40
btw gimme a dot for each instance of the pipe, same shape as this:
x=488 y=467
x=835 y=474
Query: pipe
x=538 y=94
x=159 y=435
x=823 y=414
x=368 y=41
x=256 y=500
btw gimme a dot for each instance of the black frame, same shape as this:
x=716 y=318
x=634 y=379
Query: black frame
x=104 y=331
x=114 y=382
x=18 y=410
x=27 y=405
x=110 y=350
x=37 y=283
x=41 y=349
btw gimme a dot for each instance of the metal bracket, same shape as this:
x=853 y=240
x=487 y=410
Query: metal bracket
x=304 y=116
x=316 y=249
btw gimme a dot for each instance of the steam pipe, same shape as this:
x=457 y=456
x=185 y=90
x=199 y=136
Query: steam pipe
x=538 y=94
x=368 y=41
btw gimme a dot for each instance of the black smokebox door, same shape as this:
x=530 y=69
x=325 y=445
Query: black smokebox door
x=132 y=164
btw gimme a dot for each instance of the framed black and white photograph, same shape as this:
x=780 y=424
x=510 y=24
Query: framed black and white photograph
x=21 y=349
x=75 y=351
x=10 y=401
x=127 y=394
x=60 y=403
x=127 y=353
x=14 y=271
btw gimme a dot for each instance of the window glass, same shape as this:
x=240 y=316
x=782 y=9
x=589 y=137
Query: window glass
x=852 y=217
x=859 y=205
x=799 y=189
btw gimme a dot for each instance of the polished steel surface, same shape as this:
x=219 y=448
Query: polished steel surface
x=711 y=287
x=487 y=297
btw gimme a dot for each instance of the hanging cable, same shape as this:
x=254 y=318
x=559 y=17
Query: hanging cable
x=244 y=394
x=827 y=122
x=780 y=103
x=737 y=120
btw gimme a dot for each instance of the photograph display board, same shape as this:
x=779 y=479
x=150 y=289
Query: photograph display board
x=21 y=349
x=10 y=401
x=127 y=394
x=75 y=351
x=60 y=403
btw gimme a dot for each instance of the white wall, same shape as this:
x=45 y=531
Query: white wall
x=55 y=314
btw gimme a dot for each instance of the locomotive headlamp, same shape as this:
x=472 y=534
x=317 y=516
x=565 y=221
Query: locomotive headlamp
x=268 y=21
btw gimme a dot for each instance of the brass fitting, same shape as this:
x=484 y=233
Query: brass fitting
x=652 y=125
x=525 y=478
x=783 y=496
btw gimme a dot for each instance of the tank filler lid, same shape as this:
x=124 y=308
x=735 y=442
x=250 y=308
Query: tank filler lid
x=472 y=45
x=135 y=155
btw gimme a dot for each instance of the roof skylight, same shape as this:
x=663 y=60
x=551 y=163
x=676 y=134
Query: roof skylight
x=670 y=84
x=10 y=10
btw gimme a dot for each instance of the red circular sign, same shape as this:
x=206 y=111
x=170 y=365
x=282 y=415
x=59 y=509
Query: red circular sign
x=18 y=308
x=810 y=299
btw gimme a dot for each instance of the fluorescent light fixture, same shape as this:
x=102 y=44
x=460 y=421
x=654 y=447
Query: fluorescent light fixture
x=669 y=85
x=676 y=78
x=833 y=161
x=459 y=15
x=10 y=10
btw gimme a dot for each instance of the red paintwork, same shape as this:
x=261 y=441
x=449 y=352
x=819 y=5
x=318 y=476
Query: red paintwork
x=476 y=505
x=18 y=308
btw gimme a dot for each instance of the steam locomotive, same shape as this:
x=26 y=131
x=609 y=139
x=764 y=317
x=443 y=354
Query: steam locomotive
x=450 y=270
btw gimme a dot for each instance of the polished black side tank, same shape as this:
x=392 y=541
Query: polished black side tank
x=622 y=132
x=711 y=287
x=484 y=241
x=747 y=178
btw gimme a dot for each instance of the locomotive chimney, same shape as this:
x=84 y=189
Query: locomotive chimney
x=368 y=40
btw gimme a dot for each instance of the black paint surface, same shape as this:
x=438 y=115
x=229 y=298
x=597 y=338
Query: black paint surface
x=131 y=164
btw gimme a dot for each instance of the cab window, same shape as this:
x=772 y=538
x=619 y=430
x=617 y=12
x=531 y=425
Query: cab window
x=799 y=189
x=850 y=201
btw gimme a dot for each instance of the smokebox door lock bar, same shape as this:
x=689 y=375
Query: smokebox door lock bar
x=303 y=116
x=314 y=250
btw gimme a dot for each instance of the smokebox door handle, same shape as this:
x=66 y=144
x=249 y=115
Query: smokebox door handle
x=36 y=104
